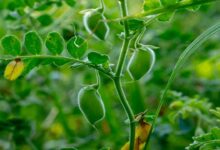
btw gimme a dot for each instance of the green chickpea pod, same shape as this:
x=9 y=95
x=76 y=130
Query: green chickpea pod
x=94 y=22
x=91 y=104
x=141 y=63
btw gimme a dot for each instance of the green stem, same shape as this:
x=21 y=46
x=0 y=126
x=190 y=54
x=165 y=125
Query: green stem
x=161 y=10
x=69 y=59
x=122 y=57
x=102 y=6
x=119 y=68
x=126 y=42
x=128 y=110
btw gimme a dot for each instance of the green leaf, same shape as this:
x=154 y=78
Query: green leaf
x=183 y=58
x=166 y=17
x=169 y=15
x=54 y=43
x=47 y=61
x=208 y=141
x=151 y=4
x=135 y=24
x=97 y=58
x=60 y=62
x=45 y=20
x=216 y=112
x=194 y=8
x=43 y=6
x=167 y=2
x=13 y=5
x=33 y=42
x=11 y=45
x=71 y=3
x=77 y=46
x=30 y=3
x=31 y=64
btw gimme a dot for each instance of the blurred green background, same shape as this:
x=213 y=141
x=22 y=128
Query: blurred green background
x=39 y=110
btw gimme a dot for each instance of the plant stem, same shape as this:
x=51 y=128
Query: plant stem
x=122 y=57
x=128 y=110
x=68 y=59
x=161 y=10
x=126 y=42
x=119 y=68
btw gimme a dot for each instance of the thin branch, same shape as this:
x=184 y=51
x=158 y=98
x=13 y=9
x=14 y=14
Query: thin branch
x=119 y=68
x=69 y=59
x=161 y=10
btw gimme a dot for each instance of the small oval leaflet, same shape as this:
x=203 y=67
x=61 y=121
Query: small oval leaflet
x=45 y=20
x=33 y=42
x=54 y=43
x=71 y=3
x=97 y=58
x=11 y=45
x=77 y=47
x=14 y=69
x=91 y=104
x=151 y=4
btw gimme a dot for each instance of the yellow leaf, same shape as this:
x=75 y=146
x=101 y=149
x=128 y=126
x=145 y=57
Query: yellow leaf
x=142 y=132
x=14 y=69
x=126 y=146
x=136 y=145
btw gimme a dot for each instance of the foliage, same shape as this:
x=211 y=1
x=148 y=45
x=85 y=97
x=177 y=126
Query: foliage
x=208 y=140
x=87 y=74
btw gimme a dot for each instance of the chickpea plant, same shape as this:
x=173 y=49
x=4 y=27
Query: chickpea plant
x=140 y=64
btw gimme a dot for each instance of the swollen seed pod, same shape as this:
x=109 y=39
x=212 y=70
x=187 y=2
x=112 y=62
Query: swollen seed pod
x=94 y=22
x=14 y=69
x=141 y=63
x=91 y=104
